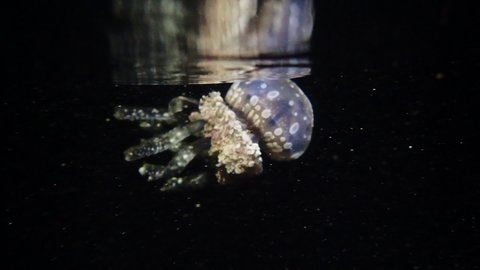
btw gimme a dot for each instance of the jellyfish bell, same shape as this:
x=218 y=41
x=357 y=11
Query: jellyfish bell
x=279 y=111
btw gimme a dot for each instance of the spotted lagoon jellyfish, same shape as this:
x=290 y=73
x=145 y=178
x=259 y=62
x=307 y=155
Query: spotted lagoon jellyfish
x=270 y=116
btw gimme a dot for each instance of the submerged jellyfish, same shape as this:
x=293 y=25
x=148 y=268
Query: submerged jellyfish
x=270 y=115
x=279 y=111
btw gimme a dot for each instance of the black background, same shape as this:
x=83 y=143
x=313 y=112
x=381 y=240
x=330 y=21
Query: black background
x=387 y=182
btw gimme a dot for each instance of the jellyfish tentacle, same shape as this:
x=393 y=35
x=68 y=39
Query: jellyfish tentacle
x=151 y=125
x=152 y=118
x=177 y=164
x=167 y=141
x=142 y=114
x=180 y=103
x=189 y=181
x=180 y=108
x=152 y=171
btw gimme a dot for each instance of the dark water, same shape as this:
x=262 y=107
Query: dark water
x=386 y=183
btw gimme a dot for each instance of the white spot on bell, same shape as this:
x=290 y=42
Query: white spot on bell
x=293 y=128
x=287 y=145
x=266 y=113
x=291 y=103
x=254 y=100
x=278 y=131
x=263 y=85
x=273 y=94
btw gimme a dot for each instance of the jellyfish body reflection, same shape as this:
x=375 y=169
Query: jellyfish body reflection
x=269 y=117
x=209 y=41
